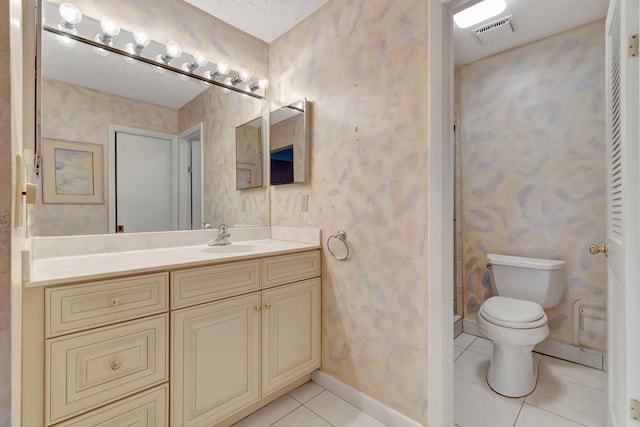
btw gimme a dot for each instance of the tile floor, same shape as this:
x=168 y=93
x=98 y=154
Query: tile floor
x=309 y=406
x=567 y=395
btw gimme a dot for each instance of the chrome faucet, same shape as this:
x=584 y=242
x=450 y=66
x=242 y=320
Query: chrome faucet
x=223 y=236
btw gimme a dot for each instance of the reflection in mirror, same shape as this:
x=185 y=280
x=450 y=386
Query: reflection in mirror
x=84 y=94
x=249 y=154
x=289 y=144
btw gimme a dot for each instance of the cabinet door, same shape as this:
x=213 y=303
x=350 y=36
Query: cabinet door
x=290 y=333
x=216 y=360
x=90 y=369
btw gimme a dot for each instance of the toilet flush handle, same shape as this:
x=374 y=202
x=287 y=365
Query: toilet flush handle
x=595 y=249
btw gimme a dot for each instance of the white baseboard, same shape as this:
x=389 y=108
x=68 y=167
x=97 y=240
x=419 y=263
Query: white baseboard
x=365 y=403
x=557 y=349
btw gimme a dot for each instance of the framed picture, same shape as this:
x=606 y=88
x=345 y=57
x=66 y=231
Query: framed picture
x=72 y=172
x=245 y=175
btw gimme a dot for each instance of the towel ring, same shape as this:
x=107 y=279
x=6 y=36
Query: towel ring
x=341 y=235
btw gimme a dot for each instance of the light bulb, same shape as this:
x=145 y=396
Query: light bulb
x=222 y=68
x=130 y=50
x=109 y=26
x=244 y=74
x=70 y=14
x=187 y=69
x=262 y=83
x=159 y=70
x=199 y=59
x=173 y=49
x=141 y=37
x=229 y=82
x=66 y=41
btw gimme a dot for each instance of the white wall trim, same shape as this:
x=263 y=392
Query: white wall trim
x=551 y=348
x=365 y=403
x=439 y=218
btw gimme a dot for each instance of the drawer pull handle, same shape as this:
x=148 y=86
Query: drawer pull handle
x=257 y=308
x=115 y=365
x=267 y=306
x=114 y=302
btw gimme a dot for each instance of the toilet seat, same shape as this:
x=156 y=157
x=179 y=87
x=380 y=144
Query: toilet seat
x=513 y=313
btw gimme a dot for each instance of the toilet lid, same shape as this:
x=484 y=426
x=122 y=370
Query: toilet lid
x=512 y=311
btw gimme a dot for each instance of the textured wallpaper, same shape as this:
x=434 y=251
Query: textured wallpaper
x=363 y=66
x=221 y=113
x=533 y=170
x=5 y=221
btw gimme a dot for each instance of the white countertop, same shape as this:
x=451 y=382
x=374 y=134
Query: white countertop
x=57 y=270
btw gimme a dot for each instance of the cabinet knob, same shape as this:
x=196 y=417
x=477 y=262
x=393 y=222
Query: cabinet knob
x=257 y=308
x=267 y=306
x=115 y=365
x=114 y=302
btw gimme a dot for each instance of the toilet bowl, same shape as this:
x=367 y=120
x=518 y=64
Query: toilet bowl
x=515 y=320
x=515 y=327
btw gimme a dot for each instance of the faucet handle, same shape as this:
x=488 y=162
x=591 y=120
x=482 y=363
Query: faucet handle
x=223 y=227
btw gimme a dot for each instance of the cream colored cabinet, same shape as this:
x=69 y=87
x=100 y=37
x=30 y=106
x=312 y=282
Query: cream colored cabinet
x=216 y=360
x=290 y=333
x=199 y=346
x=146 y=409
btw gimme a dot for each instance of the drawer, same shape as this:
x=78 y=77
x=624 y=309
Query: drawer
x=90 y=369
x=146 y=409
x=283 y=269
x=78 y=307
x=198 y=285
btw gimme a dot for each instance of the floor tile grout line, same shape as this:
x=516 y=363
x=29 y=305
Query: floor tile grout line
x=557 y=415
x=519 y=412
x=294 y=409
x=320 y=416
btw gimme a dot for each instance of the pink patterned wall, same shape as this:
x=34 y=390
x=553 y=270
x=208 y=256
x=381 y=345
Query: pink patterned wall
x=363 y=66
x=533 y=170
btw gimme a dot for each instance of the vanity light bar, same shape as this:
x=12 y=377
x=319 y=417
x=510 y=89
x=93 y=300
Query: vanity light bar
x=67 y=35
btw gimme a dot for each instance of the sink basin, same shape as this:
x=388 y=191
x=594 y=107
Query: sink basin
x=233 y=248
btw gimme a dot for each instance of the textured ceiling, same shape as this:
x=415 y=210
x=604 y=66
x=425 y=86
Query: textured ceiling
x=264 y=19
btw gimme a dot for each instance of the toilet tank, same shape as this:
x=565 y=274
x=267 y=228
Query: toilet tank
x=530 y=279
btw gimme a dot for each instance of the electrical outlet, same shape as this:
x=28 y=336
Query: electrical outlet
x=304 y=203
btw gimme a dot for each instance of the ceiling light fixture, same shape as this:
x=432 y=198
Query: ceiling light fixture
x=70 y=16
x=110 y=29
x=261 y=83
x=140 y=40
x=479 y=12
x=242 y=76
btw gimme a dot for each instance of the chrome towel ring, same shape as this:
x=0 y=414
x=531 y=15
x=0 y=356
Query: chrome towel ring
x=341 y=236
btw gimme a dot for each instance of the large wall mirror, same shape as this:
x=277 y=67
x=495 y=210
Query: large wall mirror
x=289 y=144
x=154 y=130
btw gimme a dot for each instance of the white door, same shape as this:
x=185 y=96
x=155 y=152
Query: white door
x=623 y=209
x=145 y=182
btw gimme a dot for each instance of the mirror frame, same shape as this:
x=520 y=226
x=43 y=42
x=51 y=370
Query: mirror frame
x=302 y=105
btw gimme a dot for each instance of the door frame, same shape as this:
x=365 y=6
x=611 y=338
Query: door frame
x=440 y=217
x=111 y=148
x=185 y=137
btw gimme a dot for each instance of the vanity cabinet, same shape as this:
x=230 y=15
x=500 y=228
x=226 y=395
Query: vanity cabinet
x=290 y=333
x=231 y=353
x=199 y=346
x=216 y=360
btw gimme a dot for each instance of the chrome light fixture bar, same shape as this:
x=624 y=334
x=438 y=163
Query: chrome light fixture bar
x=224 y=86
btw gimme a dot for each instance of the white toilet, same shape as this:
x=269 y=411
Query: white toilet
x=514 y=320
